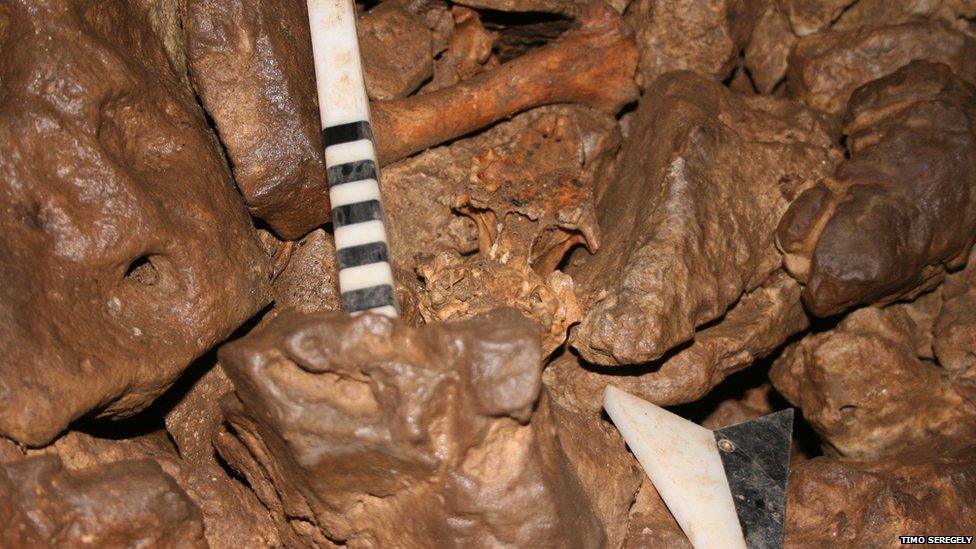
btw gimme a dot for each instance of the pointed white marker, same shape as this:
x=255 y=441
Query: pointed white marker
x=683 y=461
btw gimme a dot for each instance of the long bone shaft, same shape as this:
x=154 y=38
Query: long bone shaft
x=362 y=246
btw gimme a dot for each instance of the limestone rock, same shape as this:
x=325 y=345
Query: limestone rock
x=864 y=390
x=902 y=209
x=954 y=339
x=366 y=431
x=251 y=63
x=688 y=217
x=703 y=36
x=127 y=253
x=826 y=68
x=395 y=45
x=926 y=491
x=195 y=420
x=128 y=503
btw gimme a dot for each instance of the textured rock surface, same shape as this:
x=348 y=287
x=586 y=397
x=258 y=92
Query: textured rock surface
x=902 y=210
x=126 y=252
x=195 y=420
x=954 y=340
x=650 y=523
x=232 y=515
x=688 y=220
x=129 y=503
x=869 y=504
x=826 y=68
x=864 y=390
x=395 y=47
x=703 y=36
x=251 y=63
x=367 y=431
x=757 y=325
x=467 y=48
x=310 y=281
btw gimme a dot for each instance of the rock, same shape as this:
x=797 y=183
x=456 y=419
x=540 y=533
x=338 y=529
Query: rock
x=568 y=8
x=310 y=282
x=195 y=420
x=958 y=14
x=232 y=516
x=917 y=494
x=251 y=63
x=365 y=431
x=866 y=393
x=688 y=217
x=703 y=36
x=954 y=340
x=468 y=50
x=127 y=252
x=128 y=503
x=756 y=326
x=826 y=68
x=768 y=51
x=902 y=209
x=650 y=523
x=808 y=17
x=395 y=45
x=609 y=474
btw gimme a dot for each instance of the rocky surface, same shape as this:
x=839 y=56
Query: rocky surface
x=867 y=394
x=395 y=45
x=106 y=295
x=869 y=504
x=129 y=503
x=902 y=209
x=366 y=431
x=688 y=220
x=826 y=68
x=251 y=63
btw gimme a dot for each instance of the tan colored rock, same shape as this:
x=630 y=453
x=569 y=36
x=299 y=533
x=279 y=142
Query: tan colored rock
x=902 y=209
x=395 y=45
x=370 y=432
x=958 y=14
x=954 y=342
x=127 y=252
x=468 y=50
x=651 y=524
x=756 y=326
x=808 y=17
x=826 y=68
x=703 y=36
x=195 y=420
x=251 y=64
x=231 y=514
x=688 y=219
x=838 y=503
x=866 y=393
x=310 y=281
x=768 y=51
x=128 y=503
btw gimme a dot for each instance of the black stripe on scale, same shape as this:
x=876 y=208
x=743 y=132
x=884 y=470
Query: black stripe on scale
x=347 y=133
x=352 y=171
x=357 y=212
x=368 y=298
x=363 y=254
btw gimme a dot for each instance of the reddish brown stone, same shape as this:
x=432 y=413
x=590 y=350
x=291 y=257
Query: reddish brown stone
x=127 y=253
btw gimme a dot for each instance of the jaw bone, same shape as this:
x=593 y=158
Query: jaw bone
x=726 y=488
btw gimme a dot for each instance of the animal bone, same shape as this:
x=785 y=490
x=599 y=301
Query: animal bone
x=593 y=65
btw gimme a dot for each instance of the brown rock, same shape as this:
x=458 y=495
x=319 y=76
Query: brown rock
x=688 y=219
x=768 y=51
x=365 y=431
x=195 y=420
x=232 y=515
x=902 y=210
x=467 y=52
x=597 y=455
x=865 y=392
x=395 y=45
x=954 y=341
x=756 y=326
x=837 y=503
x=569 y=8
x=251 y=63
x=310 y=282
x=651 y=524
x=127 y=252
x=703 y=36
x=808 y=17
x=826 y=68
x=958 y=14
x=126 y=504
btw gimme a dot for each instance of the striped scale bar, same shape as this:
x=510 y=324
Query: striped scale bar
x=365 y=274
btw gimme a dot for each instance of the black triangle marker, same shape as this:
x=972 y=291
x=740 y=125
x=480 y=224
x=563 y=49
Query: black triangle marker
x=756 y=458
